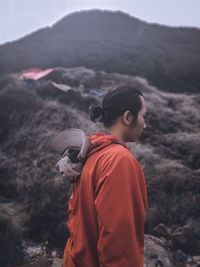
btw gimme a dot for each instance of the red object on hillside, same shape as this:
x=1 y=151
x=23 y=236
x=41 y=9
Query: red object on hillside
x=34 y=74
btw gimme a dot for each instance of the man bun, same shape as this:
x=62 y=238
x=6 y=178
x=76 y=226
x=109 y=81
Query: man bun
x=96 y=113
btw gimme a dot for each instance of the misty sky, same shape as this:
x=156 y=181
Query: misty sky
x=20 y=17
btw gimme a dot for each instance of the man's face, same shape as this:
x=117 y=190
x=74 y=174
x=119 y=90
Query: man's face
x=135 y=129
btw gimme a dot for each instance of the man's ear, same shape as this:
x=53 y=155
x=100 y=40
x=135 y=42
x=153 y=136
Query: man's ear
x=127 y=117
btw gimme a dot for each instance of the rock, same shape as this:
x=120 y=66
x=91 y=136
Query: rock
x=54 y=253
x=57 y=262
x=183 y=235
x=162 y=230
x=156 y=253
x=181 y=256
x=197 y=260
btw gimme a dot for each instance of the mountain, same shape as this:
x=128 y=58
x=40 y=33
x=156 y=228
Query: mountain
x=113 y=42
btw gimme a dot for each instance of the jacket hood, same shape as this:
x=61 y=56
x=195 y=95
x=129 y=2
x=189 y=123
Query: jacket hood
x=100 y=140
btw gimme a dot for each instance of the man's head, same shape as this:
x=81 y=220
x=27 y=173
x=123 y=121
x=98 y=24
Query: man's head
x=122 y=113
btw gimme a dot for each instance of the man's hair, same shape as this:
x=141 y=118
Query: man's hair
x=115 y=103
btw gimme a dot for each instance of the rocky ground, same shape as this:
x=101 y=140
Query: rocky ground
x=33 y=197
x=157 y=253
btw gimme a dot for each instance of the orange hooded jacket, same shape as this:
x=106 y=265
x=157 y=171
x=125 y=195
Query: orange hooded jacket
x=107 y=208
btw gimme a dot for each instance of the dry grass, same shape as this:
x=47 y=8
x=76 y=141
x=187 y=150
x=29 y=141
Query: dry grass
x=168 y=153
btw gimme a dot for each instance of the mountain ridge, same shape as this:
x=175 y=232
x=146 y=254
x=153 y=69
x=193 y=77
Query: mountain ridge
x=113 y=42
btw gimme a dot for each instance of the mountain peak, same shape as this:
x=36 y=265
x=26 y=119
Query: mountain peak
x=112 y=41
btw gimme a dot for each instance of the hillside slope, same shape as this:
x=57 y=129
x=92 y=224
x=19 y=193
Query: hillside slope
x=33 y=196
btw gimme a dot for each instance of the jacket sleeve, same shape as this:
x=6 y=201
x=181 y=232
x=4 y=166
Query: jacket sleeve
x=120 y=205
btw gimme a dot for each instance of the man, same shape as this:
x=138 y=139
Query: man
x=108 y=204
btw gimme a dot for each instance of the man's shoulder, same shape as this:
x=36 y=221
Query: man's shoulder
x=118 y=159
x=116 y=152
x=111 y=155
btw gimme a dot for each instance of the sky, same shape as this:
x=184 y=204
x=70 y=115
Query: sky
x=21 y=17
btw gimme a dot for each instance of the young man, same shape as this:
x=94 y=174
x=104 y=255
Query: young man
x=108 y=205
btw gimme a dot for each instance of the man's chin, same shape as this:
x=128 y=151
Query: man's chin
x=131 y=140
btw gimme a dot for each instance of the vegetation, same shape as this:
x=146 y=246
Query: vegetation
x=34 y=197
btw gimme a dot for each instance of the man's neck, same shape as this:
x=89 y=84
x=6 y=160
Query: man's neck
x=114 y=131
